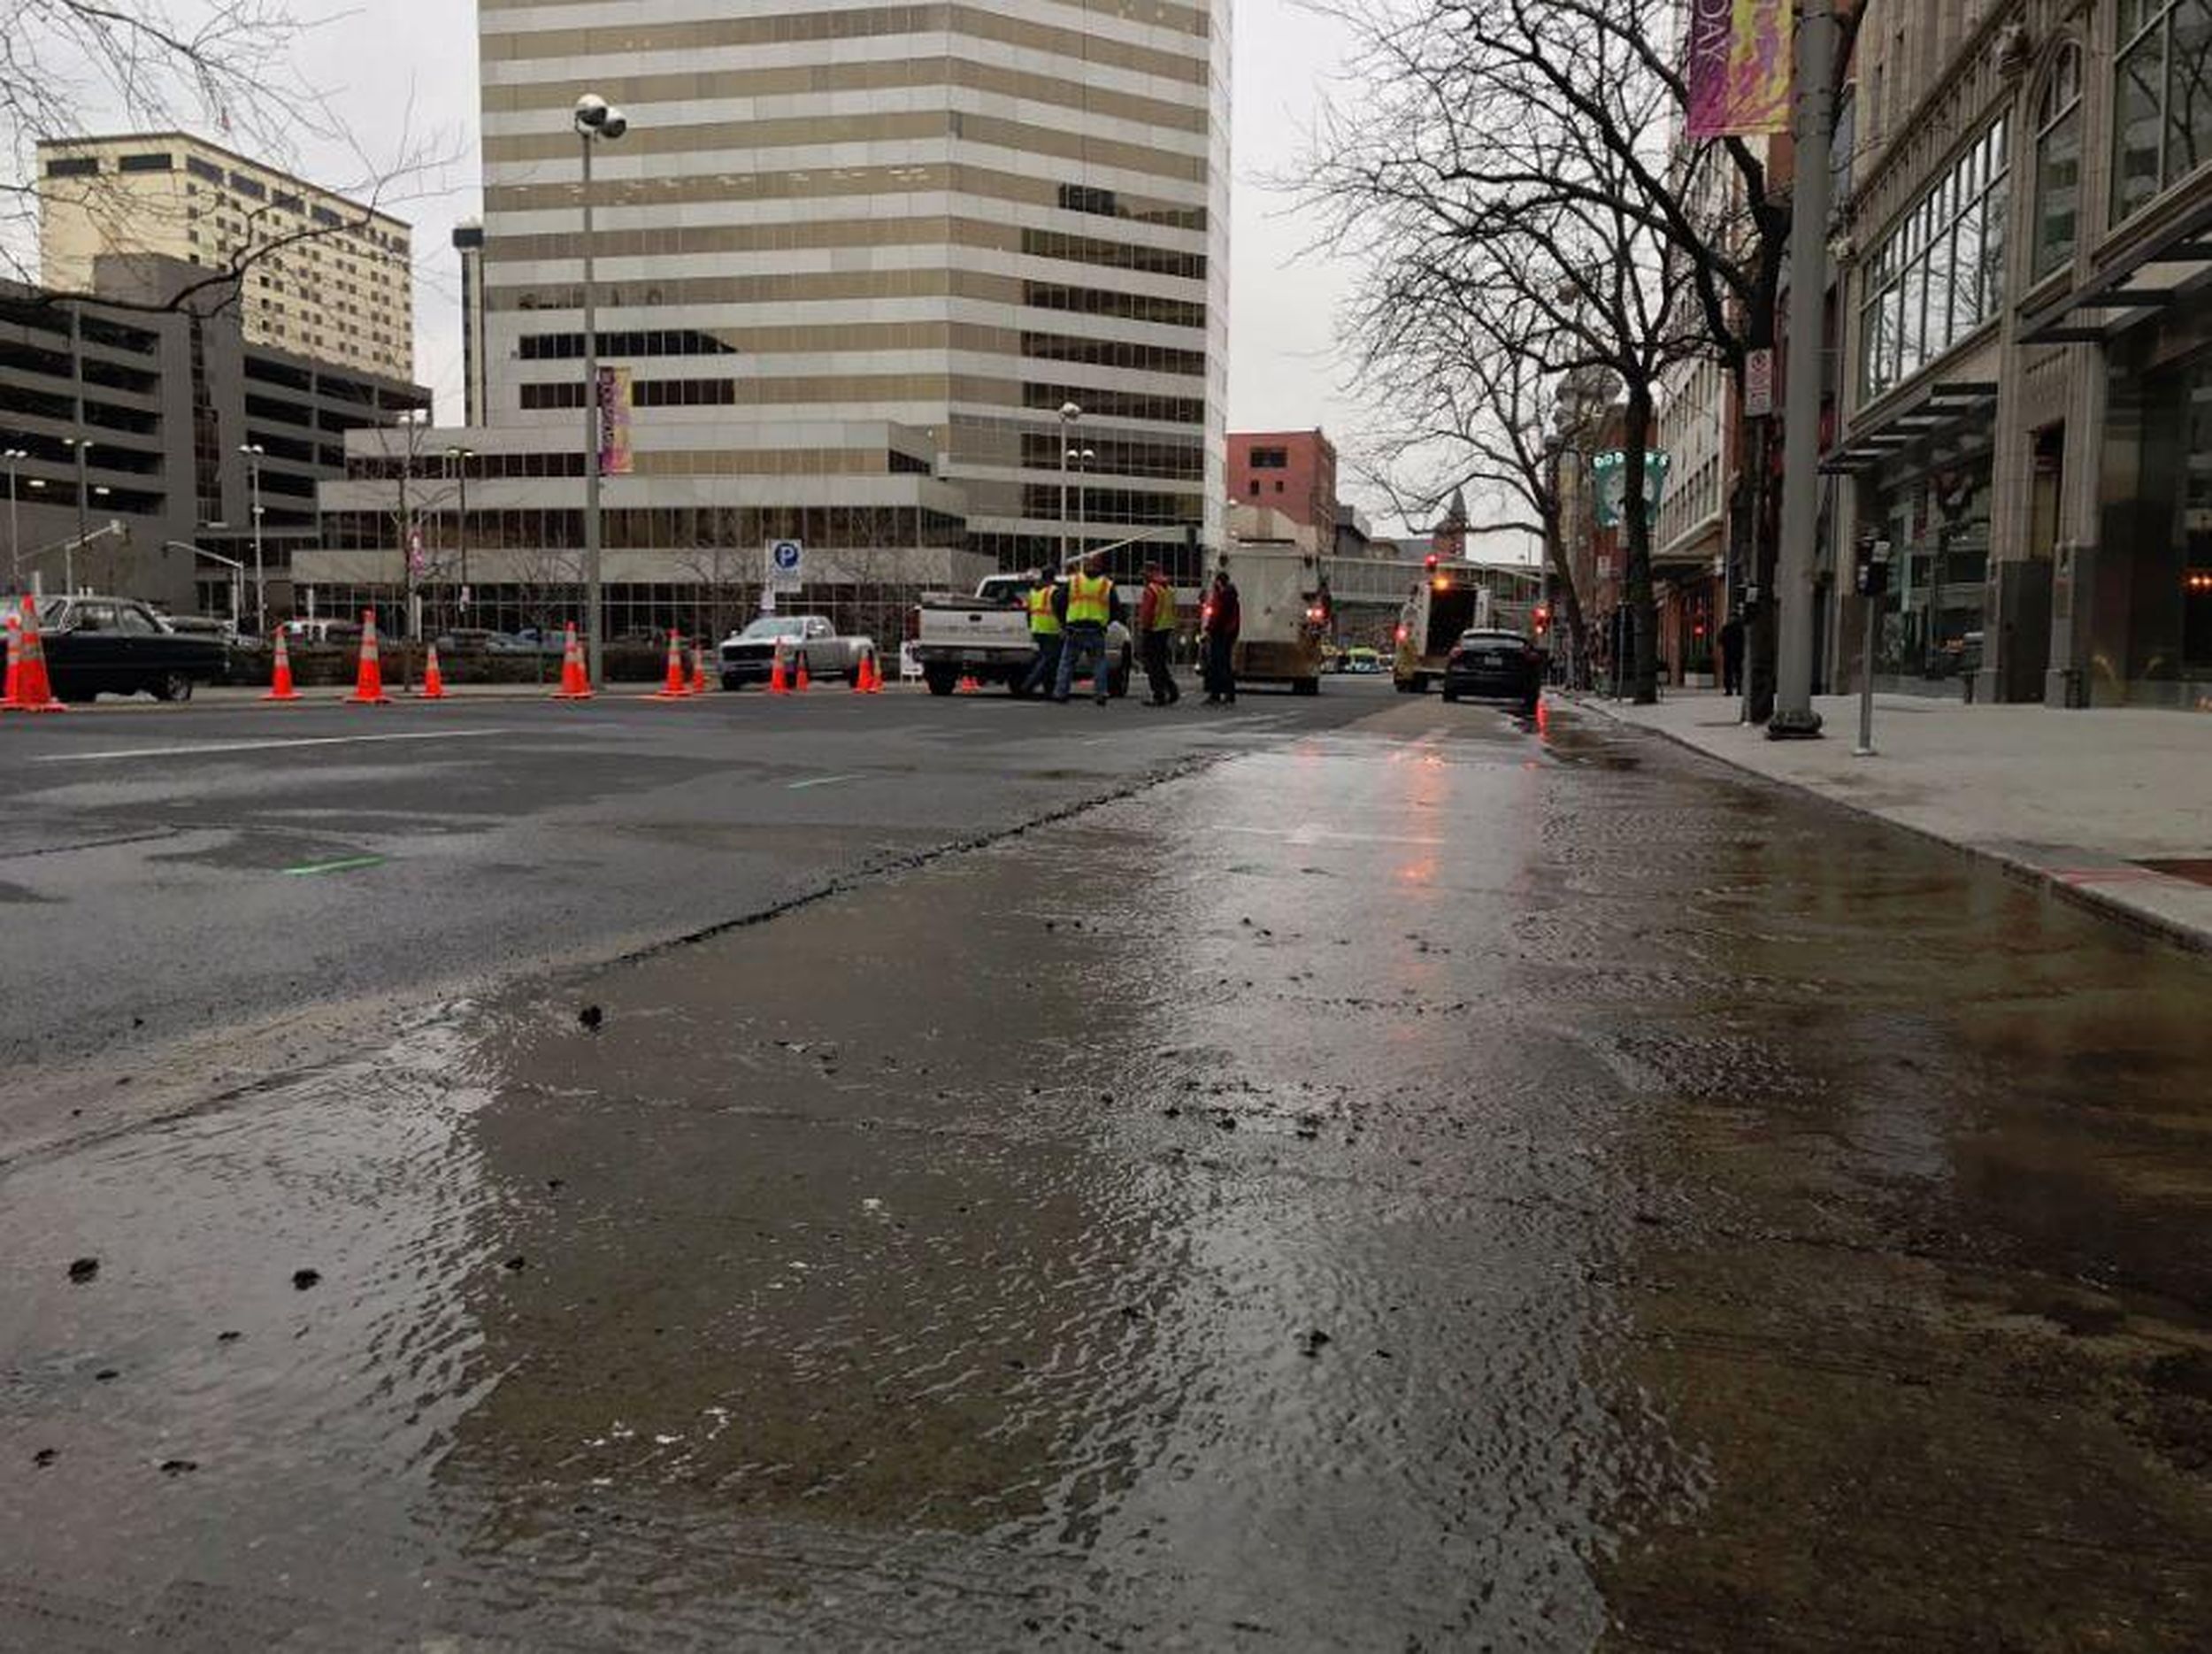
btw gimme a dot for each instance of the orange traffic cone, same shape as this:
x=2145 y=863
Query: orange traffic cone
x=777 y=683
x=575 y=685
x=33 y=693
x=368 y=681
x=860 y=675
x=799 y=681
x=698 y=670
x=432 y=680
x=281 y=677
x=673 y=688
x=875 y=674
x=969 y=685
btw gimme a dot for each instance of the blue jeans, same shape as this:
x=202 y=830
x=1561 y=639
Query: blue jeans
x=1044 y=671
x=1085 y=643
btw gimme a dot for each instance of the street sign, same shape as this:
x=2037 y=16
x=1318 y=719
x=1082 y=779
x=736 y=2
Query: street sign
x=1758 y=384
x=787 y=563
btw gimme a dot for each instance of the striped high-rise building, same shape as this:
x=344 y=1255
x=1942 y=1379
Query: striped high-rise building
x=859 y=258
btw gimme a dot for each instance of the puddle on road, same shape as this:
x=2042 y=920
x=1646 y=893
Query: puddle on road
x=1377 y=1194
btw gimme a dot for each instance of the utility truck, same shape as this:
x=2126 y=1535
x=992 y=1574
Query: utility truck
x=1287 y=613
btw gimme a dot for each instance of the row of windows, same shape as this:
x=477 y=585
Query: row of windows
x=734 y=530
x=1113 y=457
x=1042 y=501
x=1939 y=274
x=1117 y=353
x=1117 y=404
x=1090 y=301
x=825 y=285
x=565 y=347
x=933 y=22
x=644 y=393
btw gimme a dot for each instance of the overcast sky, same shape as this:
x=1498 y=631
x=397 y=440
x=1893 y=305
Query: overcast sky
x=396 y=69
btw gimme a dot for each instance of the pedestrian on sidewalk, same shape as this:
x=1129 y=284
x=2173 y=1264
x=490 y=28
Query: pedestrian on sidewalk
x=1731 y=655
x=1156 y=617
x=1090 y=606
x=1220 y=621
x=1042 y=601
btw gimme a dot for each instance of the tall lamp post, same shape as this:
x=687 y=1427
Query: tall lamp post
x=11 y=459
x=1069 y=412
x=596 y=123
x=458 y=458
x=83 y=449
x=255 y=453
x=1082 y=459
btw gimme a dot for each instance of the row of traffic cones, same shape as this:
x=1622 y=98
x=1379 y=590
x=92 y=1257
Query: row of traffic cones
x=867 y=681
x=30 y=690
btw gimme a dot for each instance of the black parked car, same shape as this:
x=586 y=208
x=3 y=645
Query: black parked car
x=118 y=646
x=1488 y=664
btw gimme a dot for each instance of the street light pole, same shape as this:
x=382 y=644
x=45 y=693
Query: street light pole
x=13 y=457
x=254 y=453
x=595 y=123
x=460 y=457
x=84 y=489
x=1069 y=412
x=1794 y=717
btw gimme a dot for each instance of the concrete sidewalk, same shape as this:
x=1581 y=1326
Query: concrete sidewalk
x=2108 y=806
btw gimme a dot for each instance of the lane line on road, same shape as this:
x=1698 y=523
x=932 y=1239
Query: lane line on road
x=346 y=866
x=204 y=748
x=820 y=780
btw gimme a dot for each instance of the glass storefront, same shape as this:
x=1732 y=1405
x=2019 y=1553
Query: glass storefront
x=1937 y=523
x=2152 y=625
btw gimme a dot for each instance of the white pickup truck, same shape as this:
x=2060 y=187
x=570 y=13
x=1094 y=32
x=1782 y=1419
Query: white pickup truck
x=986 y=637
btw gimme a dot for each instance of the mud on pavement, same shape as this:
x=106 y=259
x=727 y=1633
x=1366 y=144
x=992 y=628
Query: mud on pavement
x=1440 y=1185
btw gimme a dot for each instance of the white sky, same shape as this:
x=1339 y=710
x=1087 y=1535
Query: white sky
x=394 y=68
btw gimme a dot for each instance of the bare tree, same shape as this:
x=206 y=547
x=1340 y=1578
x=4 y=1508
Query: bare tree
x=1477 y=402
x=69 y=67
x=1491 y=190
x=1451 y=81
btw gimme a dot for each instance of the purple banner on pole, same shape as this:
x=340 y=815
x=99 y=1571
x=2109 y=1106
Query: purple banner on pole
x=1737 y=67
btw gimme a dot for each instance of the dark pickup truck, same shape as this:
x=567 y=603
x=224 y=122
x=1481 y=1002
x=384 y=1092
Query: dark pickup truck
x=118 y=646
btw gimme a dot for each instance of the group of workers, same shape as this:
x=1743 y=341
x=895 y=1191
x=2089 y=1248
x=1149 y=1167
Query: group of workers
x=1068 y=620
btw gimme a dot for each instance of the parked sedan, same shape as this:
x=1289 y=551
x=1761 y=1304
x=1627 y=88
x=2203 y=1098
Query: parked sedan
x=120 y=646
x=1494 y=665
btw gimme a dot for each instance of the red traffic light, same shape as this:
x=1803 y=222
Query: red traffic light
x=1432 y=560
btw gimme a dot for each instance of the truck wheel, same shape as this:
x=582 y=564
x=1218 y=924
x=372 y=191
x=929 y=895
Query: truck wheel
x=1305 y=686
x=171 y=686
x=1411 y=686
x=1450 y=694
x=732 y=685
x=941 y=679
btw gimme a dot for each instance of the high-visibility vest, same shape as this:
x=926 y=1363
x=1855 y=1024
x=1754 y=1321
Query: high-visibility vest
x=1042 y=621
x=1090 y=599
x=1165 y=616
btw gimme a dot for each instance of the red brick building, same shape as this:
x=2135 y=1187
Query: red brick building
x=1293 y=472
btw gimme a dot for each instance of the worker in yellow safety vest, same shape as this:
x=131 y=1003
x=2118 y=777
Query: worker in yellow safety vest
x=1044 y=632
x=1090 y=606
x=1157 y=616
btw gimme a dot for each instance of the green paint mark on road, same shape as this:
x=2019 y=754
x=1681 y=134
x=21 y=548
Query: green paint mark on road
x=348 y=865
x=820 y=780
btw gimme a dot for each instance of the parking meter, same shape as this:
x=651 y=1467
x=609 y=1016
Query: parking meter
x=1872 y=568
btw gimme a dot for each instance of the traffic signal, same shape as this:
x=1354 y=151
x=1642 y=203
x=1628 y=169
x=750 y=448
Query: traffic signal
x=1543 y=620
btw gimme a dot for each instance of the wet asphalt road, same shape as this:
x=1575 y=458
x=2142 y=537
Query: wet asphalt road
x=1418 y=1182
x=187 y=871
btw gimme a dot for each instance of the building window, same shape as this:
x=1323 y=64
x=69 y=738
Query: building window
x=1270 y=459
x=1939 y=275
x=2162 y=119
x=74 y=167
x=1256 y=487
x=145 y=164
x=2058 y=164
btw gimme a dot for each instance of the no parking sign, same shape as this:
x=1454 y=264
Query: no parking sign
x=787 y=563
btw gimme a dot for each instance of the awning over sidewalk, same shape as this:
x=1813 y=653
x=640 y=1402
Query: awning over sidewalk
x=2135 y=286
x=1934 y=417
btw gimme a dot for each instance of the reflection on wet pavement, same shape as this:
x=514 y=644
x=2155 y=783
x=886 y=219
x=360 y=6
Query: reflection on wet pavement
x=1433 y=1185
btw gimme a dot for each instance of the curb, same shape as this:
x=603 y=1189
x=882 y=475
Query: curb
x=2196 y=939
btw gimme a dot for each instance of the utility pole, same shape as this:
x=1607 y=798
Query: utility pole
x=1794 y=717
x=13 y=457
x=595 y=123
x=1069 y=412
x=254 y=451
x=82 y=450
